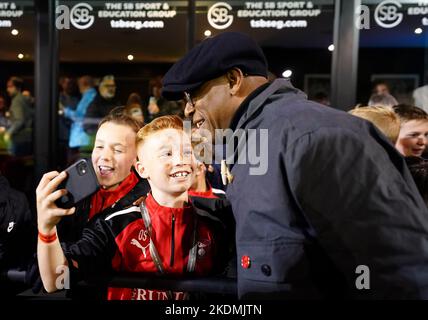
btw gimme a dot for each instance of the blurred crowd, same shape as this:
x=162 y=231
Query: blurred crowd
x=85 y=101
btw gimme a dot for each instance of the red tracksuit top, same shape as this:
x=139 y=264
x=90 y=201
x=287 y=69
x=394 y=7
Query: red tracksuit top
x=123 y=237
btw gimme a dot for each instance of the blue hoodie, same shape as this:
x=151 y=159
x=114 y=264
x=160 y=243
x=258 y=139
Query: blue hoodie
x=78 y=137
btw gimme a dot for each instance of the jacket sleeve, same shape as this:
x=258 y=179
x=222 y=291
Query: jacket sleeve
x=90 y=257
x=358 y=196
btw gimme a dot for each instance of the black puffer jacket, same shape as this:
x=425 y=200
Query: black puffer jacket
x=17 y=238
x=17 y=228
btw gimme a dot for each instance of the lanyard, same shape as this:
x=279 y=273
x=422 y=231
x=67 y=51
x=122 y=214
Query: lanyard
x=154 y=252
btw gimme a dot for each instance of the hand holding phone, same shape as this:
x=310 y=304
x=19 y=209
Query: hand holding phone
x=48 y=214
x=81 y=182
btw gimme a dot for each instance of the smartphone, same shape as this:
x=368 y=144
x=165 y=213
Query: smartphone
x=81 y=182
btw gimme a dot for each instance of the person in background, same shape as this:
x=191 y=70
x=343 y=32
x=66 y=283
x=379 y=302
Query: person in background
x=28 y=95
x=104 y=102
x=68 y=97
x=384 y=118
x=380 y=88
x=158 y=106
x=420 y=97
x=79 y=141
x=322 y=98
x=201 y=186
x=134 y=107
x=21 y=120
x=384 y=100
x=413 y=137
x=4 y=115
x=419 y=169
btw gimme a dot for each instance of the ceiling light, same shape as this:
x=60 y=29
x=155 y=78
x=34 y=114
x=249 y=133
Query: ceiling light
x=418 y=30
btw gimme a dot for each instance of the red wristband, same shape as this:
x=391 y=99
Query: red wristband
x=47 y=238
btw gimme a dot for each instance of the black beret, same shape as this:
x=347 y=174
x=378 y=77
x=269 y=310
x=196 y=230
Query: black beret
x=212 y=58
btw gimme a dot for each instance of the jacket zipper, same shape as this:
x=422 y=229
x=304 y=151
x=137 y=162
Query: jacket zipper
x=171 y=262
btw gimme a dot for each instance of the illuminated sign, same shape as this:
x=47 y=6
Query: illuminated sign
x=278 y=15
x=386 y=14
x=219 y=17
x=120 y=15
x=124 y=15
x=79 y=16
x=9 y=10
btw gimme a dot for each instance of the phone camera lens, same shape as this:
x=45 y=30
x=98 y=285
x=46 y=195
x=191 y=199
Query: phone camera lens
x=81 y=169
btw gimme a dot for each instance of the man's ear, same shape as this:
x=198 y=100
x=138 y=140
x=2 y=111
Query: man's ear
x=139 y=166
x=235 y=77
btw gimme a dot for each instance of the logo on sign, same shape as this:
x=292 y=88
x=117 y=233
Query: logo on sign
x=386 y=14
x=219 y=17
x=79 y=16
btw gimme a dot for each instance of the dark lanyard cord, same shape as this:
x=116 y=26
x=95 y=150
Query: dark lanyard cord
x=154 y=252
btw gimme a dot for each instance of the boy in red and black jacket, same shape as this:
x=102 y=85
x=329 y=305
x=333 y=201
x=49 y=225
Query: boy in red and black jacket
x=165 y=234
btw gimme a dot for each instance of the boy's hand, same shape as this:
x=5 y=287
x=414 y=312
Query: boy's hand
x=48 y=214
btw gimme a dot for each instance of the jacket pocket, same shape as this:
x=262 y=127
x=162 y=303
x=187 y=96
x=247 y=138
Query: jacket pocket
x=281 y=261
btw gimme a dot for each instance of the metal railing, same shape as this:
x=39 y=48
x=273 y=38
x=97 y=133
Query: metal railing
x=215 y=284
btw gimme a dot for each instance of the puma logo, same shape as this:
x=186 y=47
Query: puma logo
x=138 y=245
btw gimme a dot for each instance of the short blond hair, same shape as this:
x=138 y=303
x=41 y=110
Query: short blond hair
x=384 y=118
x=158 y=124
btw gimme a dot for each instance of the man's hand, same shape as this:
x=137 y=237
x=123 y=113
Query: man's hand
x=48 y=214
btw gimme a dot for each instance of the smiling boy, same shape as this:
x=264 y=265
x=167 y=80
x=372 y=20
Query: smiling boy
x=164 y=235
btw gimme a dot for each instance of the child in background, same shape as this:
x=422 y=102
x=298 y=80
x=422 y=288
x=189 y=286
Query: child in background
x=412 y=140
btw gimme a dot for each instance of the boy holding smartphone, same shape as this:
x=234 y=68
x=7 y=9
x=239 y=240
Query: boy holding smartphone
x=113 y=157
x=165 y=234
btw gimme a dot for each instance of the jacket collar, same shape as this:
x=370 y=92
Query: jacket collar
x=258 y=102
x=155 y=208
x=103 y=199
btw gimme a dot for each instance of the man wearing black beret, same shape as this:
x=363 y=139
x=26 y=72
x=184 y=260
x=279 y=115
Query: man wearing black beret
x=336 y=212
